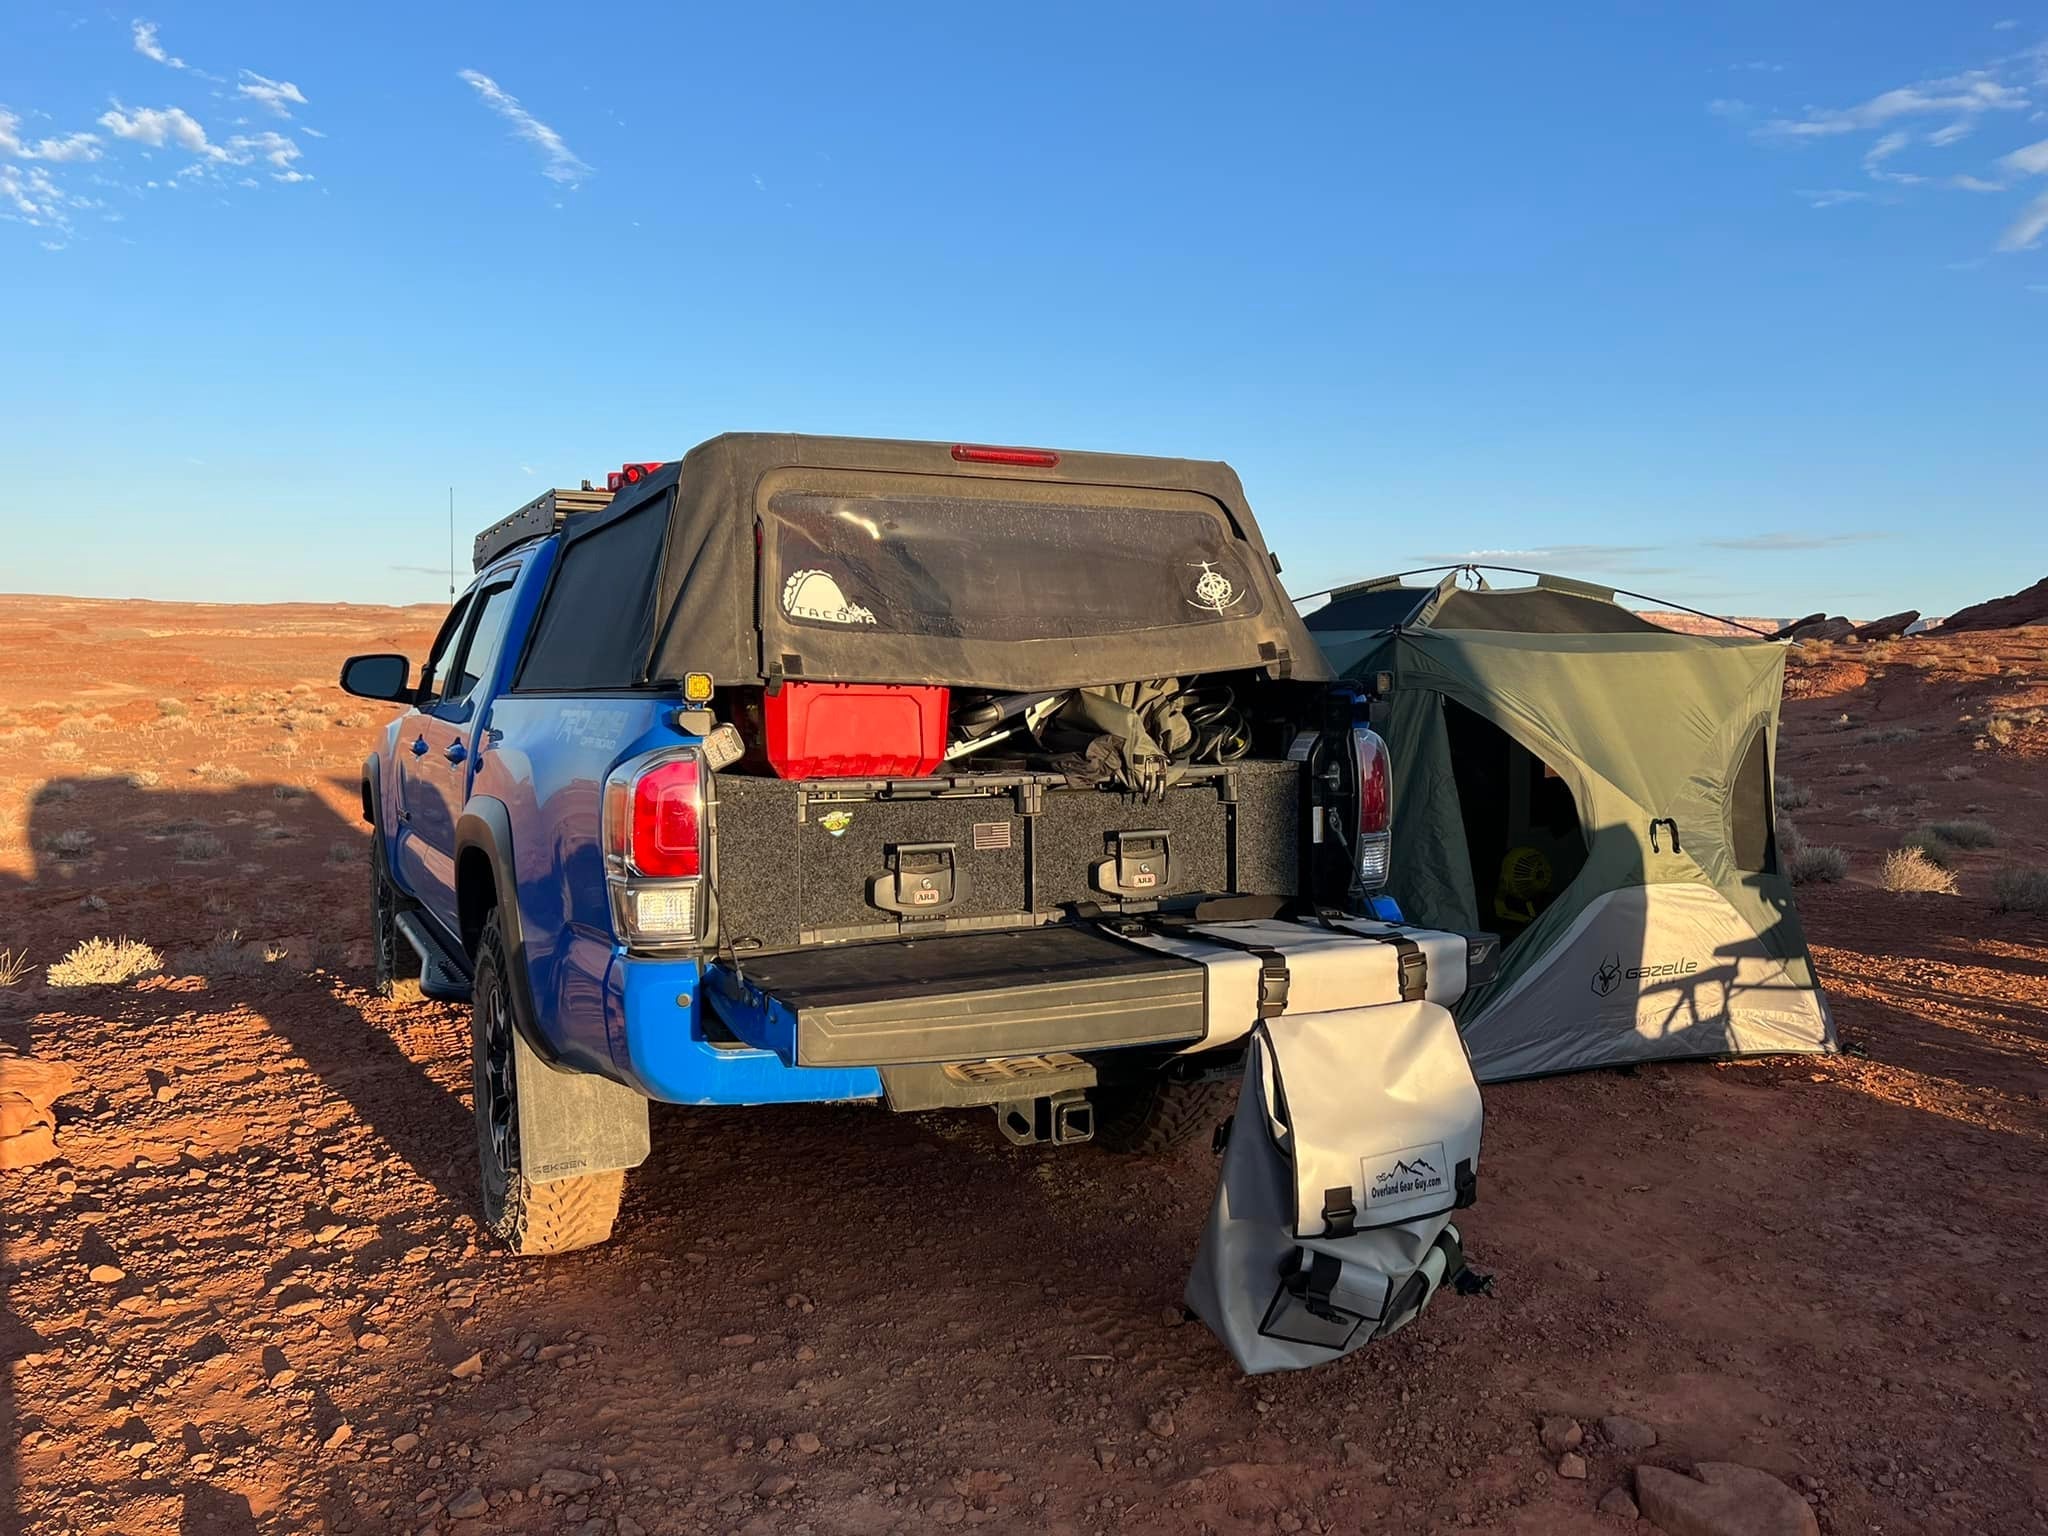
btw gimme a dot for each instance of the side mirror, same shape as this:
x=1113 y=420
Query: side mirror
x=382 y=676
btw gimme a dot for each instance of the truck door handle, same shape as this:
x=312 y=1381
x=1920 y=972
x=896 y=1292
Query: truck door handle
x=419 y=747
x=455 y=752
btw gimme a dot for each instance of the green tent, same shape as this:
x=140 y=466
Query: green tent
x=1597 y=790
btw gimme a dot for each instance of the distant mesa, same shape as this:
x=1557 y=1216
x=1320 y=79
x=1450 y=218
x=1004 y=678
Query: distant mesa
x=2014 y=612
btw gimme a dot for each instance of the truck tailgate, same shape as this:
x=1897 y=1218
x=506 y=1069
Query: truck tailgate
x=964 y=997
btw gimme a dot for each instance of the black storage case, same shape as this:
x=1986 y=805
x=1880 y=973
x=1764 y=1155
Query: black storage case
x=823 y=862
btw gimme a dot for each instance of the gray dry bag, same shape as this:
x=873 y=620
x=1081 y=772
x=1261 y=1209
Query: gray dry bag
x=1357 y=1135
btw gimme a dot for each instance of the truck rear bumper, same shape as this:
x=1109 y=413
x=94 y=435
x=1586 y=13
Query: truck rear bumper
x=655 y=1019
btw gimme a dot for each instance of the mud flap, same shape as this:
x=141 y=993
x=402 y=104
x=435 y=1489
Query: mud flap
x=1356 y=1137
x=573 y=1123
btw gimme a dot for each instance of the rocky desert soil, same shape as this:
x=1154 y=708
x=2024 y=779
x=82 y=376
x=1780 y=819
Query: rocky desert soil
x=248 y=1293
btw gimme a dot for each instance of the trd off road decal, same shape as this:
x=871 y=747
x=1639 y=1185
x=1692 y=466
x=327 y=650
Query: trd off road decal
x=1410 y=1173
x=817 y=595
x=1213 y=590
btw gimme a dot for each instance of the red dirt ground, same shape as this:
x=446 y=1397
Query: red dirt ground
x=836 y=1320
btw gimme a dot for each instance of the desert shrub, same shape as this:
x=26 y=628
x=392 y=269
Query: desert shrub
x=64 y=752
x=143 y=778
x=24 y=733
x=344 y=853
x=200 y=848
x=92 y=902
x=1868 y=784
x=220 y=773
x=1909 y=869
x=1963 y=834
x=54 y=791
x=14 y=967
x=289 y=792
x=1790 y=838
x=1897 y=735
x=170 y=706
x=351 y=722
x=276 y=834
x=1815 y=864
x=2020 y=890
x=285 y=748
x=76 y=725
x=225 y=956
x=1930 y=847
x=1955 y=773
x=1847 y=769
x=1998 y=731
x=73 y=844
x=1790 y=796
x=1881 y=811
x=217 y=904
x=101 y=962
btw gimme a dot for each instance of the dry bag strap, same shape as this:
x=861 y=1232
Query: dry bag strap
x=1410 y=963
x=1314 y=1283
x=1272 y=964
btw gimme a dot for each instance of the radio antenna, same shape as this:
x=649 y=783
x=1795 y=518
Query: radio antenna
x=451 y=543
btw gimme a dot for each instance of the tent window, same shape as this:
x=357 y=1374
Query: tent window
x=1749 y=810
x=1522 y=826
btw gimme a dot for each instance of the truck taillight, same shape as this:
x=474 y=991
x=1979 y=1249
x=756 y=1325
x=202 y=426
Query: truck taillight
x=654 y=846
x=629 y=474
x=1375 y=807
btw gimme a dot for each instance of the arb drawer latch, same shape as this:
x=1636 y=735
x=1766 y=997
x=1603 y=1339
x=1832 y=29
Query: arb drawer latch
x=1137 y=867
x=922 y=879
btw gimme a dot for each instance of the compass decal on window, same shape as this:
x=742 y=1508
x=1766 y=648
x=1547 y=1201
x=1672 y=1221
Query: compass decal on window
x=1213 y=590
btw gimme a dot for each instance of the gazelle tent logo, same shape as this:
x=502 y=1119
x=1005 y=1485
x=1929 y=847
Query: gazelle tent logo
x=1608 y=977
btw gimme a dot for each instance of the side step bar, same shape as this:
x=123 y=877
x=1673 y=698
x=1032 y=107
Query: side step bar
x=444 y=977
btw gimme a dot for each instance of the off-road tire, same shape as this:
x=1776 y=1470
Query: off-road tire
x=550 y=1217
x=397 y=963
x=1156 y=1115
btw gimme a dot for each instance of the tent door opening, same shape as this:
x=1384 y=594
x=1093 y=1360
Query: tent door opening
x=1522 y=825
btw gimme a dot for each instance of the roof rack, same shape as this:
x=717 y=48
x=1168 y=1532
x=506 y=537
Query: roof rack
x=536 y=520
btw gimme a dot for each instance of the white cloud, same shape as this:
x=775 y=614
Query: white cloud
x=274 y=149
x=147 y=45
x=1758 y=67
x=2030 y=161
x=28 y=196
x=71 y=147
x=2005 y=24
x=1941 y=138
x=1974 y=184
x=1832 y=197
x=1973 y=92
x=558 y=162
x=278 y=96
x=161 y=126
x=2025 y=232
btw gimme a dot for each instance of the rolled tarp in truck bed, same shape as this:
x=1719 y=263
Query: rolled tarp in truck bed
x=1597 y=790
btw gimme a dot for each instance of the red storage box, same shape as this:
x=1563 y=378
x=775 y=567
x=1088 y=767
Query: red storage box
x=855 y=730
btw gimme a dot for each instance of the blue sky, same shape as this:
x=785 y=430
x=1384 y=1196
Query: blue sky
x=1747 y=306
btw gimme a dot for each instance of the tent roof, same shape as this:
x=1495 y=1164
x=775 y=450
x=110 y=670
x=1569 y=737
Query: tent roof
x=1555 y=605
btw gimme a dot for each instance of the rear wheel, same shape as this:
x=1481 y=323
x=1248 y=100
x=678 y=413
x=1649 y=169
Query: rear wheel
x=528 y=1217
x=398 y=964
x=1155 y=1115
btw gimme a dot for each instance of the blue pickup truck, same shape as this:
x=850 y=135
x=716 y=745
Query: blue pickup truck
x=809 y=769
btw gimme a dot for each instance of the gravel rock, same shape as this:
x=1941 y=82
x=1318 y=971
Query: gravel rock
x=1560 y=1434
x=108 y=1274
x=1160 y=1423
x=470 y=1504
x=566 y=1480
x=806 y=1443
x=1727 y=1499
x=1627 y=1434
x=1616 y=1502
x=473 y=1366
x=1572 y=1465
